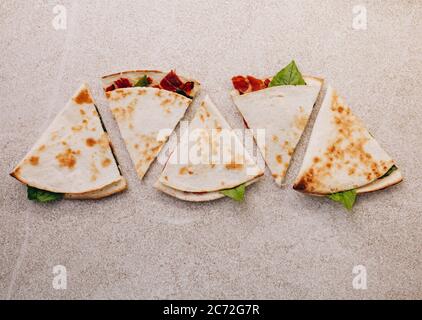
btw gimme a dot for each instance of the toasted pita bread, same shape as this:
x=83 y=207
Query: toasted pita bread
x=73 y=156
x=109 y=190
x=394 y=178
x=342 y=155
x=283 y=112
x=209 y=158
x=146 y=115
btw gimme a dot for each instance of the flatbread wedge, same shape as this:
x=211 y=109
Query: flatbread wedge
x=342 y=155
x=209 y=160
x=147 y=106
x=73 y=158
x=194 y=196
x=277 y=116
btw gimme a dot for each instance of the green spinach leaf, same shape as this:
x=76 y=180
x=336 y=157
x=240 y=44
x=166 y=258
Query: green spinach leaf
x=390 y=171
x=42 y=195
x=237 y=193
x=347 y=198
x=180 y=91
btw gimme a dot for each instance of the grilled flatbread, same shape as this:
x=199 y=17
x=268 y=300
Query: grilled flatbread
x=342 y=155
x=283 y=112
x=194 y=196
x=73 y=157
x=209 y=159
x=147 y=106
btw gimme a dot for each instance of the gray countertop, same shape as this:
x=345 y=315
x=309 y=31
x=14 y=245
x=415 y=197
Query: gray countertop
x=278 y=243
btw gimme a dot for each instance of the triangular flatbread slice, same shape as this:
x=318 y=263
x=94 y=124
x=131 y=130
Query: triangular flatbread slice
x=278 y=116
x=147 y=106
x=342 y=155
x=209 y=158
x=74 y=155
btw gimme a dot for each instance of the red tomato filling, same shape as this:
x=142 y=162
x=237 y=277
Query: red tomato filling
x=171 y=82
x=241 y=84
x=123 y=83
x=188 y=87
x=249 y=84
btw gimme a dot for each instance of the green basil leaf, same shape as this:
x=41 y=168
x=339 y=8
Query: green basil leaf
x=390 y=171
x=237 y=193
x=347 y=198
x=142 y=82
x=42 y=195
x=290 y=75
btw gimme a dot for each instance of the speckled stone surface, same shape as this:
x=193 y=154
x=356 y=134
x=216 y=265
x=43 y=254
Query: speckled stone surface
x=278 y=244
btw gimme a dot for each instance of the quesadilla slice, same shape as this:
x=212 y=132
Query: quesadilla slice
x=73 y=158
x=281 y=106
x=147 y=106
x=343 y=159
x=209 y=162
